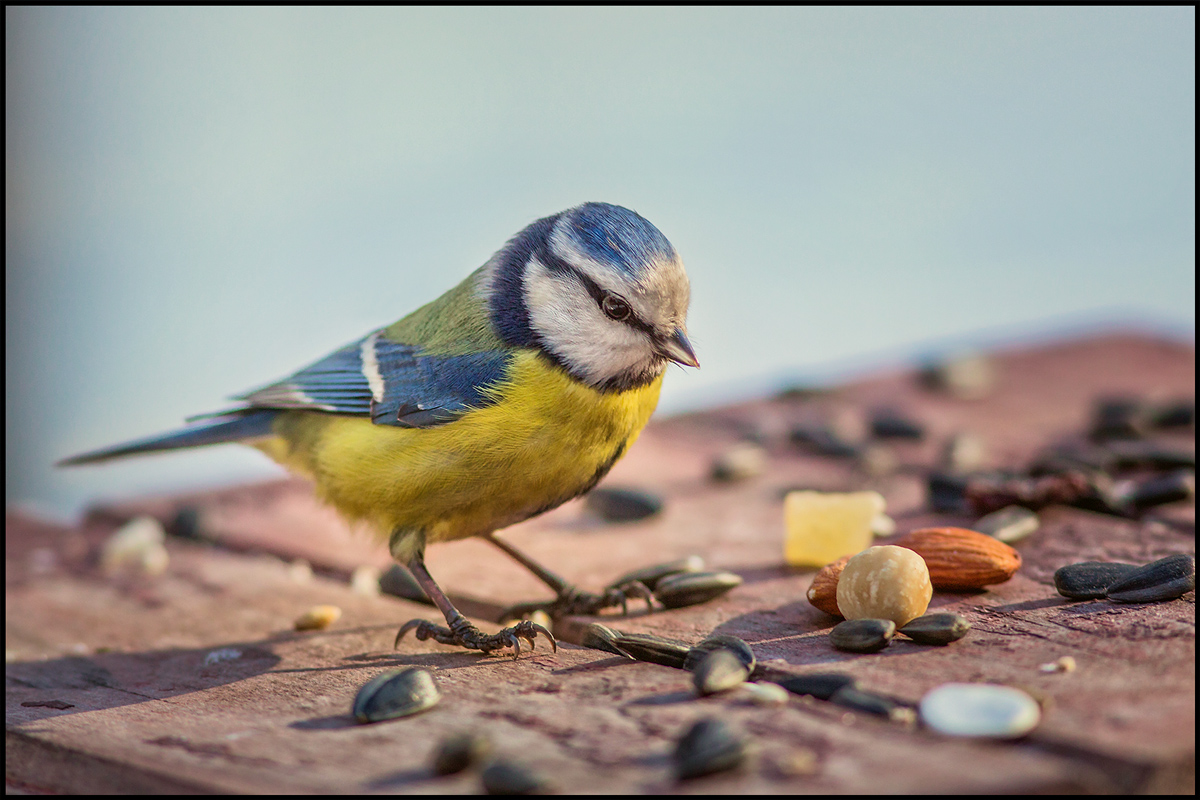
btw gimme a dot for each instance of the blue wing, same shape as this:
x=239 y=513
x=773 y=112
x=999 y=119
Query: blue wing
x=393 y=383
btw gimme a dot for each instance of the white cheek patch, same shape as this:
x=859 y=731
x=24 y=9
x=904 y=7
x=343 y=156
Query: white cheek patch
x=574 y=328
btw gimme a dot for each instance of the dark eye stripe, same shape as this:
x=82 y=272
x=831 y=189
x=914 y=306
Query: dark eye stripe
x=557 y=265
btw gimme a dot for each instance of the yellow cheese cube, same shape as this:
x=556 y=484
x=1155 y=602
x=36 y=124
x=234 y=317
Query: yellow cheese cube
x=821 y=527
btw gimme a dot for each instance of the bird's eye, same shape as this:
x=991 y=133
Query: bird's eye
x=615 y=307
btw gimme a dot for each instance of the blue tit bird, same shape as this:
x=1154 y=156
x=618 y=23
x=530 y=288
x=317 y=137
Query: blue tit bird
x=512 y=393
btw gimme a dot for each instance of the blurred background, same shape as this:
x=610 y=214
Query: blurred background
x=202 y=200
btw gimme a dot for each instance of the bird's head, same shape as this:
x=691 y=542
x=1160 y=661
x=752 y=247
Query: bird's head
x=599 y=290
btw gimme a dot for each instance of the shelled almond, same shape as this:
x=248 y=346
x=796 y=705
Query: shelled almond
x=958 y=558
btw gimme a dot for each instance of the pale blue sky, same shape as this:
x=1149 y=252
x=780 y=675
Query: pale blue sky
x=200 y=200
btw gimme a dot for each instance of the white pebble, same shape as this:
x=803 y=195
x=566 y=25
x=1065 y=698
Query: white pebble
x=980 y=709
x=224 y=654
x=365 y=581
x=136 y=546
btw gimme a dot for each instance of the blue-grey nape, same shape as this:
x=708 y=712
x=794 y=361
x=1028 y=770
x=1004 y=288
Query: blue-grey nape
x=507 y=309
x=620 y=237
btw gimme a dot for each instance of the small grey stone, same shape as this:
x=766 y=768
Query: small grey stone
x=622 y=505
x=1164 y=579
x=1089 y=580
x=862 y=635
x=1009 y=524
x=937 y=629
x=980 y=709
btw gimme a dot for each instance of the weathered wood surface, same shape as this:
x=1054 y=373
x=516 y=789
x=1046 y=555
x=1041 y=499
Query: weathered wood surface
x=195 y=681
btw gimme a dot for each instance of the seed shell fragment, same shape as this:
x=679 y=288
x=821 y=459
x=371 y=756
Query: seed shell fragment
x=867 y=702
x=1089 y=580
x=821 y=685
x=937 y=629
x=718 y=671
x=709 y=746
x=1165 y=579
x=398 y=693
x=862 y=635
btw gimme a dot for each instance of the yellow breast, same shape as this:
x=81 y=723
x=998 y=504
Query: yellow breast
x=546 y=440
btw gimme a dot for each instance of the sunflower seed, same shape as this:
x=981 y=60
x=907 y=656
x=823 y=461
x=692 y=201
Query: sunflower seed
x=397 y=693
x=866 y=702
x=653 y=649
x=1009 y=524
x=862 y=635
x=890 y=424
x=460 y=751
x=509 y=777
x=937 y=629
x=708 y=746
x=600 y=637
x=1170 y=488
x=720 y=641
x=821 y=685
x=650 y=576
x=1089 y=580
x=622 y=505
x=721 y=669
x=1164 y=579
x=692 y=588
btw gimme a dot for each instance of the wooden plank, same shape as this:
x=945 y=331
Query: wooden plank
x=194 y=680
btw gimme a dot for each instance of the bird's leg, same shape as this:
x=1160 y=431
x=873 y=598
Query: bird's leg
x=570 y=600
x=460 y=631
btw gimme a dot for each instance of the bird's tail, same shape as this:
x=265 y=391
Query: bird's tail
x=233 y=426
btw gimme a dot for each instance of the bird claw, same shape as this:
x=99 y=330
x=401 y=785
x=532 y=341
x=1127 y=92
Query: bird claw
x=574 y=601
x=464 y=634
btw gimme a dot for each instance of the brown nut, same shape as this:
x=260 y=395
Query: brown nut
x=958 y=558
x=823 y=591
x=885 y=582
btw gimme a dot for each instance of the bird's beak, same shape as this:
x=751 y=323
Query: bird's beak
x=679 y=349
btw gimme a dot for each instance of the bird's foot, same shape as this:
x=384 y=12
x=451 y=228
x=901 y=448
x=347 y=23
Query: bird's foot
x=464 y=634
x=576 y=601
